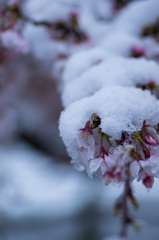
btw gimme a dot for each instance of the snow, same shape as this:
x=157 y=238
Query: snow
x=127 y=26
x=81 y=61
x=112 y=104
x=121 y=46
x=13 y=40
x=47 y=10
x=137 y=15
x=41 y=43
x=112 y=71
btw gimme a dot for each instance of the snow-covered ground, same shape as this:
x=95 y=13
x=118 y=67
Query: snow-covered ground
x=41 y=199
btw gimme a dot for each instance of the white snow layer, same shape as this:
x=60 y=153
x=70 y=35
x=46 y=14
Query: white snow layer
x=119 y=108
x=136 y=16
x=112 y=71
x=81 y=61
x=124 y=32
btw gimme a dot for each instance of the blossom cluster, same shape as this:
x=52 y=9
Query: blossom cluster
x=114 y=128
x=110 y=124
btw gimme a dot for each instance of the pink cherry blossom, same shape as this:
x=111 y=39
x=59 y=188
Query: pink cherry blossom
x=85 y=137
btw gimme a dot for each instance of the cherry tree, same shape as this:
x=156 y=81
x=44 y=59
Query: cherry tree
x=105 y=57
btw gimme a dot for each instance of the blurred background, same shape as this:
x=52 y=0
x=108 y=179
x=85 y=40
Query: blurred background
x=41 y=195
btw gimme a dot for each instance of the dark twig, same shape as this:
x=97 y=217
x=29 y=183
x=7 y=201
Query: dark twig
x=15 y=10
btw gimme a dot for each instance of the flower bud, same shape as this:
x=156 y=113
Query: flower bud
x=137 y=51
x=149 y=139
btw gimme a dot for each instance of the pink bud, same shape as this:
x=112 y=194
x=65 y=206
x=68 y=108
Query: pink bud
x=147 y=177
x=73 y=13
x=149 y=139
x=137 y=51
x=148 y=181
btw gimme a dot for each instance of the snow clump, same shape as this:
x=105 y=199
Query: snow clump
x=114 y=128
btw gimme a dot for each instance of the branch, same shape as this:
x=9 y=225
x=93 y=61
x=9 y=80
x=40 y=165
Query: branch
x=15 y=10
